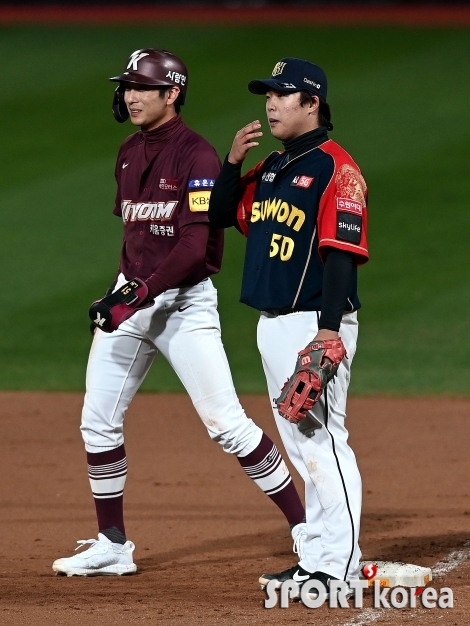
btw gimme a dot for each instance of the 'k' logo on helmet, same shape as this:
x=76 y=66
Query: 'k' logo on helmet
x=135 y=58
x=278 y=68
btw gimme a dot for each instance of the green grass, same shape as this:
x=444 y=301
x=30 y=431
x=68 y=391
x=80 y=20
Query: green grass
x=400 y=105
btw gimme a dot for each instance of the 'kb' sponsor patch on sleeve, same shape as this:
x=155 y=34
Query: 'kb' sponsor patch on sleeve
x=199 y=200
x=349 y=227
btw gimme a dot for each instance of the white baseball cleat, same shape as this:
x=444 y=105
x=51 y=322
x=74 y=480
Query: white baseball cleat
x=103 y=558
x=299 y=535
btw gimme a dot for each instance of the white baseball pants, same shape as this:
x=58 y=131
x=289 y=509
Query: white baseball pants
x=318 y=447
x=184 y=326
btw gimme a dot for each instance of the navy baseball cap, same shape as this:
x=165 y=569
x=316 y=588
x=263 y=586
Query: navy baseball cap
x=290 y=75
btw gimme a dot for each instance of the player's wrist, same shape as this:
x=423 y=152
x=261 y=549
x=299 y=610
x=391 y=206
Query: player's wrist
x=233 y=166
x=326 y=333
x=233 y=160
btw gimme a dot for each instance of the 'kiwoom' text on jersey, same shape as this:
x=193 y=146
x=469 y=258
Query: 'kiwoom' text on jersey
x=291 y=212
x=159 y=192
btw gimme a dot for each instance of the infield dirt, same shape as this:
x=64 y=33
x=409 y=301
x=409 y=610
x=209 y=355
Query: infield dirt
x=204 y=533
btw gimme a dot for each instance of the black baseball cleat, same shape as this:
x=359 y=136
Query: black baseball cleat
x=297 y=573
x=301 y=576
x=325 y=580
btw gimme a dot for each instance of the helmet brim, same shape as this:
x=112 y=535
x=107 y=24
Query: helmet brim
x=139 y=79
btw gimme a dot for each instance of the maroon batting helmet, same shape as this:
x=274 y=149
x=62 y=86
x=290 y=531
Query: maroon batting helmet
x=152 y=67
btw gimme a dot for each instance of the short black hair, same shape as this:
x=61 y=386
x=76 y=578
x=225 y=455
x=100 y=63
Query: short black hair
x=324 y=114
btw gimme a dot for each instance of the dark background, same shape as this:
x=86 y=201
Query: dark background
x=399 y=94
x=236 y=3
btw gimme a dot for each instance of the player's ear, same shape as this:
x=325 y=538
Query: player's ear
x=314 y=105
x=172 y=95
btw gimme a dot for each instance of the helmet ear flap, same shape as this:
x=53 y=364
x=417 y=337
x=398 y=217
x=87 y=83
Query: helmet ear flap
x=120 y=112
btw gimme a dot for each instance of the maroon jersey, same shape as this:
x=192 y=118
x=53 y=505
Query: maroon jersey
x=164 y=182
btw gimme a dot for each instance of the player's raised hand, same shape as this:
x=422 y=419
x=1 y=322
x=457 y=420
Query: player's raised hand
x=244 y=140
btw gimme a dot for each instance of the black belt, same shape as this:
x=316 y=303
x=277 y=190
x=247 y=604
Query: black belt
x=289 y=311
x=283 y=311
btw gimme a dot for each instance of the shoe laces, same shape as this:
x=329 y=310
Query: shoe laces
x=83 y=542
x=299 y=543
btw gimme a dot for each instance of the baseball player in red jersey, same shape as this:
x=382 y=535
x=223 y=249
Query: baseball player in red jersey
x=303 y=210
x=165 y=173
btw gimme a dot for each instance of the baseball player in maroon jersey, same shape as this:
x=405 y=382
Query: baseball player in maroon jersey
x=164 y=175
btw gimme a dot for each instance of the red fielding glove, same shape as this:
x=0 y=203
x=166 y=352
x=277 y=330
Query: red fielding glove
x=316 y=365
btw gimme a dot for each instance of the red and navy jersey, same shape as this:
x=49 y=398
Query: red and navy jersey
x=159 y=194
x=292 y=212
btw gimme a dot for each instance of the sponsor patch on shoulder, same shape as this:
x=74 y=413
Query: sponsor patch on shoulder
x=201 y=183
x=302 y=181
x=169 y=184
x=345 y=204
x=349 y=227
x=199 y=200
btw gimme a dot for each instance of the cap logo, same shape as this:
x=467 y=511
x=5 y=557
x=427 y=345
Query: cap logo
x=311 y=82
x=134 y=59
x=278 y=68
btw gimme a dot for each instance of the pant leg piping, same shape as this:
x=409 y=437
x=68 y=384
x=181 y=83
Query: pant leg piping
x=342 y=481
